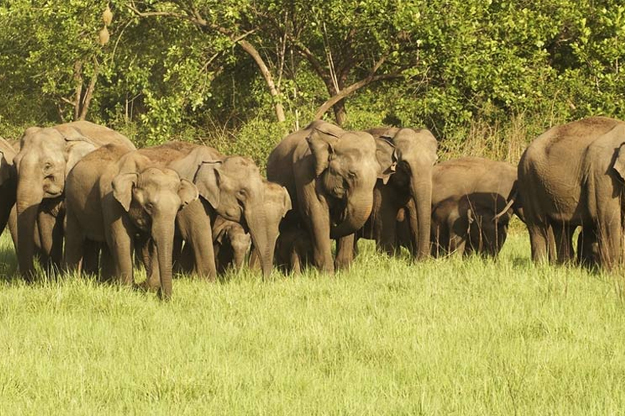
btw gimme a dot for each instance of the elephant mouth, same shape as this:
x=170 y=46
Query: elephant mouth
x=338 y=213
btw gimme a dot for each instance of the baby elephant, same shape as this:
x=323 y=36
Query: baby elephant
x=115 y=194
x=231 y=243
x=294 y=250
x=469 y=205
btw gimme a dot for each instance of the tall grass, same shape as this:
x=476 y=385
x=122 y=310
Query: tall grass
x=446 y=336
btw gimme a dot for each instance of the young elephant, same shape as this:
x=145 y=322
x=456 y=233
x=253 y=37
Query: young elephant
x=467 y=198
x=114 y=194
x=231 y=244
x=293 y=250
x=277 y=204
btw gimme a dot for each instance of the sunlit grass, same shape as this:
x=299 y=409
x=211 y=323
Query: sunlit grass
x=462 y=336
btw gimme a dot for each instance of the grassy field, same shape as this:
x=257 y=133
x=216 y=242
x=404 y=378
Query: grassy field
x=446 y=336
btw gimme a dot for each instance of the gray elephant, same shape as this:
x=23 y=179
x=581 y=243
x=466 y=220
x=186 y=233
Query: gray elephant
x=231 y=244
x=412 y=154
x=114 y=194
x=572 y=176
x=470 y=211
x=330 y=174
x=277 y=204
x=45 y=158
x=294 y=250
x=231 y=187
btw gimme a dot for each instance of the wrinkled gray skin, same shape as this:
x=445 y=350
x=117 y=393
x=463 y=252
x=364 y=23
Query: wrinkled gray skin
x=330 y=174
x=115 y=194
x=468 y=194
x=8 y=182
x=411 y=154
x=45 y=158
x=231 y=244
x=294 y=250
x=229 y=186
x=570 y=176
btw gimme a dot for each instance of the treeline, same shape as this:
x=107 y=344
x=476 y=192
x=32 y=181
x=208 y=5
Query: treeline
x=239 y=74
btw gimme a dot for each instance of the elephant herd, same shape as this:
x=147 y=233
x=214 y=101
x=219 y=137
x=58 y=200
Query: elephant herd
x=81 y=197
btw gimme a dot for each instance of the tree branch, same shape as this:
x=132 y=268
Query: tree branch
x=350 y=89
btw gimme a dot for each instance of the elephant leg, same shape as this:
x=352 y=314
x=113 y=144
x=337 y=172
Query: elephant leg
x=107 y=269
x=13 y=226
x=195 y=227
x=344 y=252
x=317 y=220
x=74 y=244
x=539 y=242
x=47 y=233
x=176 y=253
x=587 y=247
x=609 y=235
x=563 y=240
x=91 y=255
x=119 y=238
x=254 y=261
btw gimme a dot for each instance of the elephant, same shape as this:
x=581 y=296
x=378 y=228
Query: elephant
x=8 y=182
x=45 y=158
x=572 y=176
x=231 y=187
x=114 y=194
x=470 y=210
x=277 y=204
x=412 y=154
x=294 y=250
x=330 y=174
x=231 y=244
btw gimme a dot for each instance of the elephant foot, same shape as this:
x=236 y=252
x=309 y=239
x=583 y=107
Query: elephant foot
x=147 y=287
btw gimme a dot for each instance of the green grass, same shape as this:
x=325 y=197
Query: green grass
x=447 y=336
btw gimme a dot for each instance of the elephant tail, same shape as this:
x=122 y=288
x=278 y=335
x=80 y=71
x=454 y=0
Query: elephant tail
x=511 y=200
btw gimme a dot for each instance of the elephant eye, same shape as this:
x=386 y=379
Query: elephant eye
x=242 y=194
x=149 y=206
x=351 y=175
x=47 y=167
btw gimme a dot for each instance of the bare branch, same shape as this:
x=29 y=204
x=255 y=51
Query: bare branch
x=348 y=90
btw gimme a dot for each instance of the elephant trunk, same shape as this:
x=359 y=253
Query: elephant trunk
x=421 y=193
x=263 y=238
x=357 y=212
x=29 y=197
x=163 y=235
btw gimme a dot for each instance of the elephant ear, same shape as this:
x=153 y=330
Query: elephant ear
x=207 y=180
x=77 y=147
x=187 y=192
x=321 y=144
x=387 y=157
x=122 y=188
x=5 y=168
x=287 y=202
x=619 y=162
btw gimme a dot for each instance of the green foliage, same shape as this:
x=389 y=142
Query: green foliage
x=178 y=69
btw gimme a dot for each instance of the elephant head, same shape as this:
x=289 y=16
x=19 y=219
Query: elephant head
x=414 y=152
x=151 y=197
x=346 y=166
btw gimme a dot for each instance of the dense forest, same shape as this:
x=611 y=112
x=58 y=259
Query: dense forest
x=239 y=74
